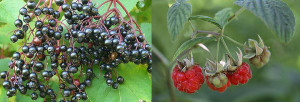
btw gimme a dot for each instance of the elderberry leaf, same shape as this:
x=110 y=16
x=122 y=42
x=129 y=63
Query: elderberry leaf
x=147 y=29
x=8 y=15
x=136 y=86
x=275 y=14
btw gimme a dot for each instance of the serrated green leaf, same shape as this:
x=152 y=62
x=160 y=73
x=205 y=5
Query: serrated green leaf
x=276 y=15
x=206 y=18
x=222 y=16
x=147 y=31
x=8 y=9
x=136 y=87
x=128 y=4
x=177 y=16
x=189 y=44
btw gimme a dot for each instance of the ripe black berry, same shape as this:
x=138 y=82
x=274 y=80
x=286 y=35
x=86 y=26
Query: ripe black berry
x=31 y=4
x=115 y=85
x=26 y=18
x=34 y=96
x=120 y=79
x=18 y=23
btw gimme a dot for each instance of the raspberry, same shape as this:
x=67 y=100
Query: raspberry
x=218 y=82
x=241 y=75
x=188 y=81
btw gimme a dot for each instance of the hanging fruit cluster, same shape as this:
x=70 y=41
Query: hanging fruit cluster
x=187 y=76
x=82 y=38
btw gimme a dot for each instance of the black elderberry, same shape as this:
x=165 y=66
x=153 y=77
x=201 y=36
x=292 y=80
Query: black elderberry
x=34 y=96
x=115 y=85
x=84 y=96
x=25 y=28
x=57 y=35
x=23 y=11
x=66 y=93
x=114 y=20
x=64 y=74
x=26 y=18
x=6 y=84
x=62 y=86
x=3 y=74
x=59 y=2
x=45 y=10
x=65 y=7
x=19 y=63
x=109 y=81
x=42 y=94
x=82 y=86
x=32 y=75
x=141 y=38
x=67 y=36
x=88 y=82
x=31 y=4
x=68 y=14
x=51 y=50
x=25 y=72
x=120 y=79
x=73 y=69
x=16 y=56
x=52 y=22
x=42 y=88
x=22 y=89
x=19 y=34
x=51 y=11
x=14 y=38
x=37 y=11
x=39 y=66
x=149 y=69
x=38 y=24
x=18 y=23
x=56 y=14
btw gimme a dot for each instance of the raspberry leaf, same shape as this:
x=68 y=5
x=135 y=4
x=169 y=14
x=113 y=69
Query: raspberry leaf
x=275 y=14
x=189 y=44
x=177 y=16
x=206 y=18
x=222 y=17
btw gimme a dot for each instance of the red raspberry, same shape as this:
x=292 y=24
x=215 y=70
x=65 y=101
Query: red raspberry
x=188 y=81
x=241 y=75
x=221 y=89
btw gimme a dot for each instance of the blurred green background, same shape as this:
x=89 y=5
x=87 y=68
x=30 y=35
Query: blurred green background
x=278 y=81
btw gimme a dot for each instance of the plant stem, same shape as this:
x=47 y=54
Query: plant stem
x=207 y=32
x=167 y=67
x=160 y=56
x=234 y=41
x=226 y=47
x=238 y=12
x=218 y=47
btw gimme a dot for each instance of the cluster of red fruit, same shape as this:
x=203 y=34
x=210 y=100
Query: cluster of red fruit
x=187 y=76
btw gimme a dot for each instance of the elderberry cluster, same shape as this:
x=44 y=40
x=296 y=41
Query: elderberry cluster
x=88 y=39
